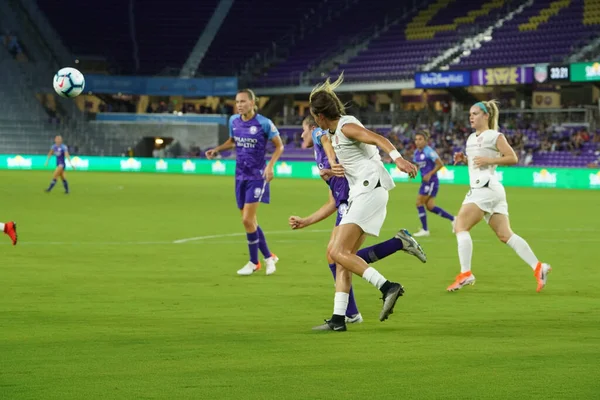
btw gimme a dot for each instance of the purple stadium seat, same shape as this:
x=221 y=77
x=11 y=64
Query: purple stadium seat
x=552 y=41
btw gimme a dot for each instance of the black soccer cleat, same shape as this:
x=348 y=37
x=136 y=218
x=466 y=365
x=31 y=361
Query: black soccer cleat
x=389 y=300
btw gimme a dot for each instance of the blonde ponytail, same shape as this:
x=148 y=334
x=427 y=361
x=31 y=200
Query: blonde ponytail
x=494 y=114
x=323 y=99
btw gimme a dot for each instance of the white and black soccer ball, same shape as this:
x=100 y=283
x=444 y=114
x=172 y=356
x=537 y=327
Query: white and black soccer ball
x=69 y=82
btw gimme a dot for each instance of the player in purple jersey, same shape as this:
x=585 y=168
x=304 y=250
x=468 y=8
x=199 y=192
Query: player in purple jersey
x=339 y=192
x=60 y=151
x=249 y=133
x=429 y=164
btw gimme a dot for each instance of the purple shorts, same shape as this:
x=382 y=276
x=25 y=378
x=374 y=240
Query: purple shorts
x=342 y=208
x=253 y=191
x=339 y=189
x=429 y=188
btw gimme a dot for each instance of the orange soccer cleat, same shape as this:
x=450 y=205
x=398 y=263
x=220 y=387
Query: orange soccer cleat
x=10 y=228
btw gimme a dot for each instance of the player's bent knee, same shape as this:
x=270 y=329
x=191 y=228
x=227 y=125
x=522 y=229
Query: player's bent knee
x=337 y=255
x=504 y=236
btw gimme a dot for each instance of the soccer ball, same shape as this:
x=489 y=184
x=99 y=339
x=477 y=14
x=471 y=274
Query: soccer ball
x=69 y=82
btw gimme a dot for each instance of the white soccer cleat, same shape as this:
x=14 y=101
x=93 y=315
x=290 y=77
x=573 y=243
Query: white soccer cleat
x=355 y=319
x=454 y=225
x=421 y=233
x=249 y=268
x=270 y=263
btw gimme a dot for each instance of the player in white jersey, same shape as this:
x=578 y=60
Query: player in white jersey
x=486 y=149
x=356 y=149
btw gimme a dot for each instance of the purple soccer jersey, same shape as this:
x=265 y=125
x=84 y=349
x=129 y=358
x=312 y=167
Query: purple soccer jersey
x=338 y=185
x=59 y=151
x=426 y=159
x=251 y=138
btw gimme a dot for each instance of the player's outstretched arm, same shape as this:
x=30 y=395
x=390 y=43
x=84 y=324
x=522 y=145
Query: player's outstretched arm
x=48 y=158
x=460 y=157
x=68 y=157
x=360 y=134
x=325 y=211
x=227 y=145
x=268 y=174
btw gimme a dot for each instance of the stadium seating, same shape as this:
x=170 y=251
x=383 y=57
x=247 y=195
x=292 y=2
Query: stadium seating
x=161 y=42
x=251 y=29
x=544 y=32
x=398 y=53
x=324 y=41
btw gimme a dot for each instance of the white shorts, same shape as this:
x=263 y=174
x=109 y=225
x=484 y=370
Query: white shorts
x=491 y=200
x=368 y=210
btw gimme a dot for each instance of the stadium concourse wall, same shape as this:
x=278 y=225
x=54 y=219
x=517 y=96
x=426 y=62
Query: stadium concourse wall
x=566 y=178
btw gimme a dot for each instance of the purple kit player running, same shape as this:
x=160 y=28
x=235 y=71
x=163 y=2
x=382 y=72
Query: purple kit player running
x=429 y=164
x=339 y=191
x=249 y=133
x=60 y=151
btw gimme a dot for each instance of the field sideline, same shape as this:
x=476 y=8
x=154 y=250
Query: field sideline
x=126 y=288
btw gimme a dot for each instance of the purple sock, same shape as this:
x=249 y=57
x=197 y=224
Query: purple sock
x=380 y=250
x=423 y=217
x=253 y=246
x=352 y=309
x=442 y=213
x=262 y=243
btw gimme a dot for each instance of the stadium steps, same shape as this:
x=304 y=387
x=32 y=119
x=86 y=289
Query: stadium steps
x=455 y=53
x=206 y=38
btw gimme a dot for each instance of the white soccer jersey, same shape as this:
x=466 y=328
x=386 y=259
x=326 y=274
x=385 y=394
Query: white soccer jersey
x=483 y=145
x=362 y=163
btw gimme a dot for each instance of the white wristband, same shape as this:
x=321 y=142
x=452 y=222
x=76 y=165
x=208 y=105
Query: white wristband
x=395 y=154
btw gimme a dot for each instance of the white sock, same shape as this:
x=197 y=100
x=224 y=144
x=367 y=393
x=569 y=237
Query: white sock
x=373 y=277
x=340 y=303
x=465 y=250
x=2 y=226
x=520 y=246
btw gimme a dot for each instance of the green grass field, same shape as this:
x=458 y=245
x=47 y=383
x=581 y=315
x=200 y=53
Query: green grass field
x=99 y=303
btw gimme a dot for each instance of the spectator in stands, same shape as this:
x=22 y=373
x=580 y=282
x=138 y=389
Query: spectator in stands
x=545 y=146
x=575 y=144
x=528 y=158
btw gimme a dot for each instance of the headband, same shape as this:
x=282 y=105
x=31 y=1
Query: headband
x=482 y=106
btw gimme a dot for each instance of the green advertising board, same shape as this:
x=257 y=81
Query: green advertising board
x=585 y=72
x=569 y=178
